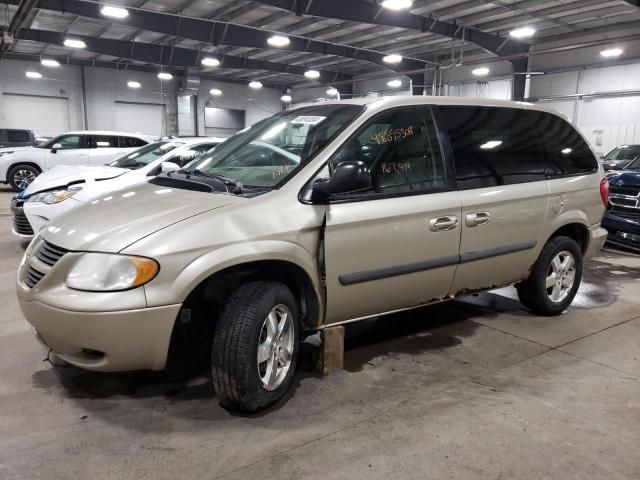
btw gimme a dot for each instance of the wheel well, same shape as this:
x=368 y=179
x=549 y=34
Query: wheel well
x=192 y=334
x=577 y=232
x=34 y=165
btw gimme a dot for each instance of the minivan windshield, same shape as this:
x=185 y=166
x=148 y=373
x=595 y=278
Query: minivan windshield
x=268 y=153
x=624 y=152
x=143 y=156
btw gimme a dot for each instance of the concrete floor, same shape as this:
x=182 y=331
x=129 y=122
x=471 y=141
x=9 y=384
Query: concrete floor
x=469 y=389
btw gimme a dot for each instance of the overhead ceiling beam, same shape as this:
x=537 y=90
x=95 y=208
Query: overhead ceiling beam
x=216 y=32
x=635 y=3
x=167 y=55
x=129 y=67
x=25 y=8
x=369 y=12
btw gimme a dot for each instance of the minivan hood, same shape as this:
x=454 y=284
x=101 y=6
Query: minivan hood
x=63 y=175
x=114 y=221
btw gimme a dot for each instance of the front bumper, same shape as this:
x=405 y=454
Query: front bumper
x=622 y=231
x=104 y=341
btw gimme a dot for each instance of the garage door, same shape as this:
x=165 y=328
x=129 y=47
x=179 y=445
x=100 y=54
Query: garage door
x=46 y=116
x=139 y=118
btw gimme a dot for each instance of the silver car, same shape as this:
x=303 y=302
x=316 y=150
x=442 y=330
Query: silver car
x=313 y=218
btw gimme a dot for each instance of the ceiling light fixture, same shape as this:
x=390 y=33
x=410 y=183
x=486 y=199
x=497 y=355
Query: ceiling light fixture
x=255 y=85
x=332 y=92
x=397 y=4
x=312 y=74
x=49 y=62
x=33 y=75
x=480 y=72
x=114 y=12
x=286 y=98
x=278 y=41
x=133 y=84
x=216 y=92
x=393 y=58
x=612 y=52
x=491 y=144
x=210 y=62
x=522 y=32
x=165 y=76
x=73 y=43
x=396 y=83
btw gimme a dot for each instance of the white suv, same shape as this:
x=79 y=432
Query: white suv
x=63 y=188
x=21 y=165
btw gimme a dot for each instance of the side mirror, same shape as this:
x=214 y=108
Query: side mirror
x=348 y=176
x=55 y=147
x=169 y=167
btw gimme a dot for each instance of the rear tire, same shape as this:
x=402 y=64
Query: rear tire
x=555 y=278
x=255 y=346
x=20 y=176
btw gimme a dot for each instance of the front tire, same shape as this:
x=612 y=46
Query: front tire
x=255 y=346
x=555 y=278
x=21 y=176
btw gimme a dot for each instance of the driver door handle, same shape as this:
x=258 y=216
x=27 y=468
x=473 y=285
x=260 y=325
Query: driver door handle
x=476 y=219
x=443 y=224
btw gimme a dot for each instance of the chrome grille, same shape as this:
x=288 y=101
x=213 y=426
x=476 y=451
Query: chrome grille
x=32 y=277
x=49 y=254
x=631 y=213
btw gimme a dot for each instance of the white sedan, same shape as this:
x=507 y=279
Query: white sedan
x=19 y=166
x=64 y=187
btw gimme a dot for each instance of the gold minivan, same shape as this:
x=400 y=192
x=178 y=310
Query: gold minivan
x=316 y=217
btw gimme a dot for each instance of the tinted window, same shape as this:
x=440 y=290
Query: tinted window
x=131 y=142
x=70 y=142
x=493 y=146
x=18 y=136
x=401 y=149
x=566 y=151
x=143 y=156
x=103 y=141
x=623 y=152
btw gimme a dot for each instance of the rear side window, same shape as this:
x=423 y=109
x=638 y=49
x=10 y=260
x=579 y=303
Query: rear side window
x=565 y=150
x=131 y=142
x=401 y=149
x=103 y=141
x=18 y=136
x=493 y=146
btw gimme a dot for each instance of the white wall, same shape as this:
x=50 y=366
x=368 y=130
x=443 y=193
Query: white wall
x=106 y=88
x=61 y=82
x=258 y=104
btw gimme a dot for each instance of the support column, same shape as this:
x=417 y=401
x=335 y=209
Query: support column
x=519 y=81
x=417 y=83
x=346 y=90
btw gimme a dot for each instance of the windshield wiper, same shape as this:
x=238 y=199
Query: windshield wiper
x=237 y=186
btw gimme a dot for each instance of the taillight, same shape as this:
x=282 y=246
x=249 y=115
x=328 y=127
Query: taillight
x=604 y=191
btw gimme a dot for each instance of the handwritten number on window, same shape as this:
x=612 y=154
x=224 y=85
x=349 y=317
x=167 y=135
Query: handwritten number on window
x=392 y=135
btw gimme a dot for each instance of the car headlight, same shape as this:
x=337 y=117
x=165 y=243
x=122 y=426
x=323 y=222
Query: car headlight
x=53 y=196
x=2 y=154
x=105 y=272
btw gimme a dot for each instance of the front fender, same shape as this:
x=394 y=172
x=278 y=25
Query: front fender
x=175 y=286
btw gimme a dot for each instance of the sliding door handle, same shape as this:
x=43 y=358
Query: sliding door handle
x=443 y=224
x=477 y=218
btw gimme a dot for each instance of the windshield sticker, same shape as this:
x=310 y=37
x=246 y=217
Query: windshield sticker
x=307 y=120
x=392 y=135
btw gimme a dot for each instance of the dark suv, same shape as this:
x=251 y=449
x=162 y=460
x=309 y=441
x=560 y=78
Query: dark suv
x=10 y=137
x=620 y=157
x=622 y=218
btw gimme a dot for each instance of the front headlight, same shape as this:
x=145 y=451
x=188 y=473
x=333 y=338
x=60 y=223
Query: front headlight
x=54 y=196
x=105 y=272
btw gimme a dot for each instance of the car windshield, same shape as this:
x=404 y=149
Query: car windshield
x=268 y=153
x=635 y=165
x=624 y=152
x=144 y=155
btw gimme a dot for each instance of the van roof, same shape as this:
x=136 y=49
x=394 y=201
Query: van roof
x=404 y=100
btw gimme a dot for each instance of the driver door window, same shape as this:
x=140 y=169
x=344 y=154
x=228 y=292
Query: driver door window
x=72 y=142
x=401 y=149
